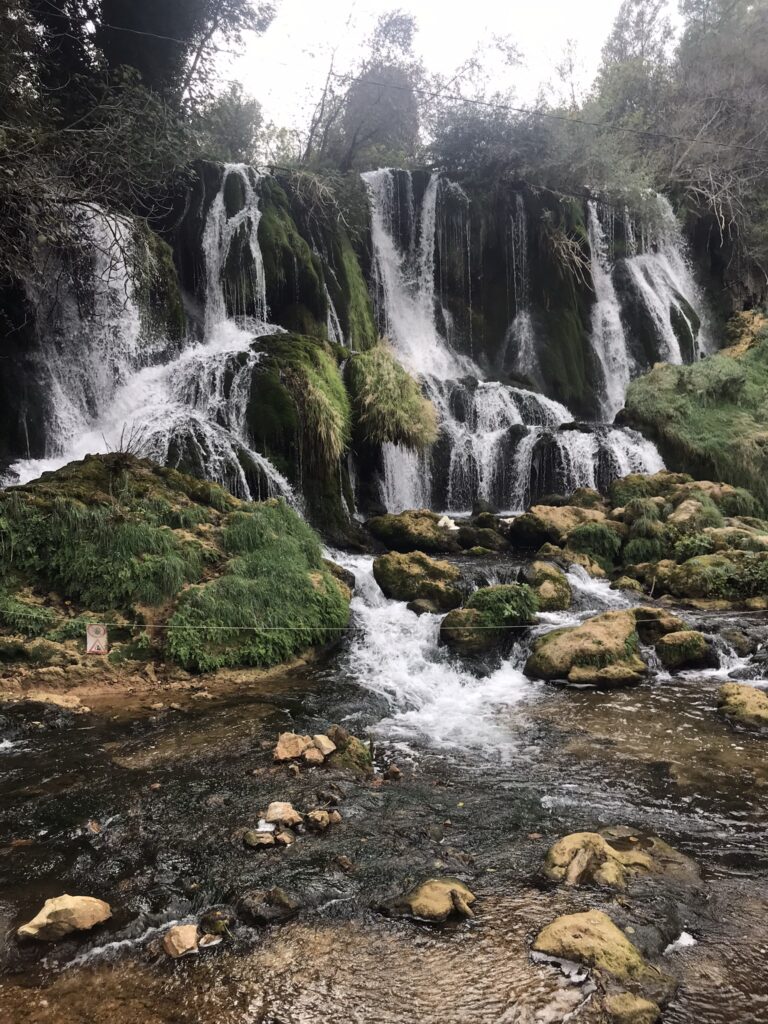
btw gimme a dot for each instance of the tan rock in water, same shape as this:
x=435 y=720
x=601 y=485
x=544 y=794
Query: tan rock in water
x=291 y=745
x=325 y=745
x=602 y=651
x=318 y=820
x=280 y=813
x=180 y=940
x=313 y=756
x=744 y=704
x=626 y=1008
x=592 y=939
x=614 y=856
x=437 y=899
x=64 y=914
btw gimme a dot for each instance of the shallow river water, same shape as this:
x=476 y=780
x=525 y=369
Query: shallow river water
x=148 y=813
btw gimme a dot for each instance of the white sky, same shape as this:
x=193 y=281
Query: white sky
x=286 y=67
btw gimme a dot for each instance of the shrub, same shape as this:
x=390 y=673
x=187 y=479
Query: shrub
x=692 y=546
x=598 y=541
x=21 y=617
x=643 y=549
x=512 y=604
x=740 y=502
x=388 y=403
x=709 y=514
x=640 y=508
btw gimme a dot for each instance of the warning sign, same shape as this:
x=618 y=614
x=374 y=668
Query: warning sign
x=96 y=639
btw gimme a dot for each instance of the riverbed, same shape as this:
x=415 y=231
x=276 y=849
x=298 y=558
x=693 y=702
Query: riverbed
x=147 y=811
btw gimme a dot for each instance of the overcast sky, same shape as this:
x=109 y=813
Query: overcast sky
x=285 y=68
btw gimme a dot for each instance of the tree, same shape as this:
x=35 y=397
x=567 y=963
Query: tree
x=230 y=125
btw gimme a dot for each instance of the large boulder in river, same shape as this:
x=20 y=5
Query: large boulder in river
x=488 y=618
x=602 y=651
x=745 y=705
x=64 y=914
x=408 y=577
x=613 y=856
x=685 y=649
x=549 y=523
x=729 y=575
x=591 y=938
x=552 y=589
x=415 y=530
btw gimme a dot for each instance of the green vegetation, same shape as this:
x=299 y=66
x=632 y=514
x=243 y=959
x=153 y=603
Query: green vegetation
x=511 y=604
x=711 y=418
x=274 y=599
x=388 y=403
x=597 y=540
x=123 y=537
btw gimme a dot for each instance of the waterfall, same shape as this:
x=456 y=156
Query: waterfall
x=490 y=432
x=106 y=384
x=520 y=342
x=608 y=342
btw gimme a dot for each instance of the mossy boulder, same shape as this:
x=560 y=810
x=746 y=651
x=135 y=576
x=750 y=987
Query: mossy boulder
x=744 y=705
x=116 y=538
x=729 y=575
x=435 y=900
x=628 y=1008
x=591 y=938
x=548 y=523
x=388 y=404
x=414 y=530
x=614 y=856
x=408 y=577
x=488 y=618
x=351 y=754
x=470 y=537
x=553 y=591
x=602 y=651
x=685 y=649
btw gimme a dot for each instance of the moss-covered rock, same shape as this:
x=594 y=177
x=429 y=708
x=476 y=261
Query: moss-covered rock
x=613 y=857
x=488 y=617
x=745 y=705
x=553 y=591
x=414 y=530
x=351 y=754
x=591 y=938
x=408 y=577
x=387 y=402
x=114 y=538
x=547 y=523
x=685 y=649
x=628 y=1008
x=730 y=575
x=602 y=651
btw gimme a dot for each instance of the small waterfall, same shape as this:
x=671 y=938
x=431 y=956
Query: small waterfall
x=189 y=409
x=490 y=432
x=608 y=341
x=520 y=343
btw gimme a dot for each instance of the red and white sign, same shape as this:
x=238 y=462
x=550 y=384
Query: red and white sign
x=96 y=639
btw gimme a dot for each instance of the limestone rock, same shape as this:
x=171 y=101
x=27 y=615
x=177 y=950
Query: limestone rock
x=653 y=623
x=285 y=837
x=414 y=530
x=591 y=938
x=602 y=650
x=180 y=940
x=64 y=914
x=351 y=753
x=313 y=756
x=436 y=900
x=318 y=820
x=324 y=744
x=542 y=523
x=409 y=577
x=746 y=705
x=551 y=586
x=280 y=813
x=626 y=1008
x=291 y=745
x=613 y=856
x=255 y=840
x=422 y=607
x=685 y=648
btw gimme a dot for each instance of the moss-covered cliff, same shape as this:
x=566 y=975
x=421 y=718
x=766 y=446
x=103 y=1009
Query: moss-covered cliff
x=711 y=419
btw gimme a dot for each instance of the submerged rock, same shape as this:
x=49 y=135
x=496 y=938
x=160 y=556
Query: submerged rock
x=436 y=900
x=627 y=1008
x=591 y=938
x=746 y=705
x=267 y=906
x=414 y=576
x=64 y=914
x=613 y=856
x=601 y=651
x=685 y=649
x=180 y=940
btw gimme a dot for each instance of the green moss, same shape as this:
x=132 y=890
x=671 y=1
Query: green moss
x=388 y=403
x=512 y=604
x=638 y=486
x=640 y=508
x=275 y=598
x=642 y=549
x=158 y=292
x=356 y=307
x=597 y=540
x=711 y=418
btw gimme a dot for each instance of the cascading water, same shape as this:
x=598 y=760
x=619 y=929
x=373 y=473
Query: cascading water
x=608 y=340
x=520 y=343
x=105 y=384
x=491 y=434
